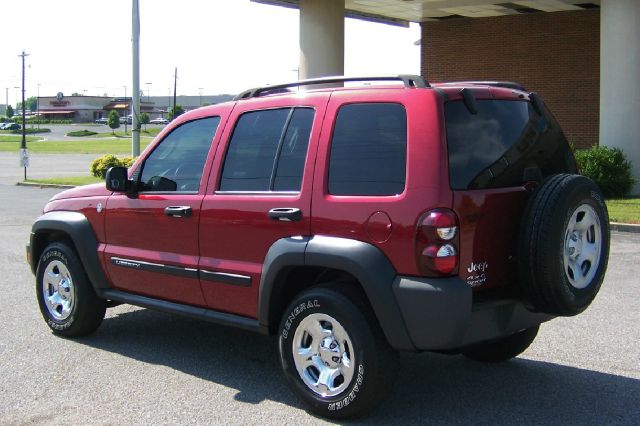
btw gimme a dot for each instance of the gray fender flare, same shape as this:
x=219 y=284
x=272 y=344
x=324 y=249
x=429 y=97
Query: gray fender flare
x=362 y=260
x=77 y=227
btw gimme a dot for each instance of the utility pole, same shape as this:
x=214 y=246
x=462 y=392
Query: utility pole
x=24 y=154
x=126 y=118
x=200 y=91
x=135 y=44
x=6 y=100
x=175 y=84
x=38 y=107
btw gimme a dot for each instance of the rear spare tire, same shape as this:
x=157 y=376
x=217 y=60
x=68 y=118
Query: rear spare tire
x=564 y=245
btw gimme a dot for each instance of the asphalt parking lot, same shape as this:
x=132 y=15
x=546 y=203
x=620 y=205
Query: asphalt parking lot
x=145 y=367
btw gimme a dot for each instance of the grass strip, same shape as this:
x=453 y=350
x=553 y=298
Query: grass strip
x=625 y=210
x=67 y=180
x=82 y=146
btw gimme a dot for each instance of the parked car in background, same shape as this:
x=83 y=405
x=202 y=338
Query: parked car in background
x=159 y=120
x=102 y=120
x=10 y=126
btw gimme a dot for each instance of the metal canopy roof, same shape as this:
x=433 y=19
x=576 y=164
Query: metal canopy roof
x=401 y=12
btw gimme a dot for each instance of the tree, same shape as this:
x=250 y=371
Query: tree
x=113 y=120
x=144 y=119
x=9 y=111
x=175 y=112
x=31 y=103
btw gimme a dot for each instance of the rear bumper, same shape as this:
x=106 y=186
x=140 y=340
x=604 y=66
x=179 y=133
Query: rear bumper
x=439 y=314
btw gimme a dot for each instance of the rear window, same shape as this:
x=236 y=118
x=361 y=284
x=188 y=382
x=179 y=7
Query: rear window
x=503 y=145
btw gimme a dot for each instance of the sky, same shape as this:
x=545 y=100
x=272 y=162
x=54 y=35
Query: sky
x=218 y=46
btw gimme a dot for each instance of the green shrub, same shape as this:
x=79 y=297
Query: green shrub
x=99 y=166
x=608 y=168
x=81 y=133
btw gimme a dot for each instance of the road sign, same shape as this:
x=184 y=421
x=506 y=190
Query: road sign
x=24 y=157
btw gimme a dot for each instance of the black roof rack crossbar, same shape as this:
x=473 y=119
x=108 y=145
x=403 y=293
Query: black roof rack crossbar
x=506 y=84
x=408 y=80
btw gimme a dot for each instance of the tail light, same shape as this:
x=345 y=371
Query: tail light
x=437 y=242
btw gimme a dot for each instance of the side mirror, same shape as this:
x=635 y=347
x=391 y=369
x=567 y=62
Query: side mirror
x=117 y=179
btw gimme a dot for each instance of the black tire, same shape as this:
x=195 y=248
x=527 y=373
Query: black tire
x=555 y=276
x=74 y=310
x=372 y=362
x=503 y=349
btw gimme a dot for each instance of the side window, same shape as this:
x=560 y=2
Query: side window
x=267 y=151
x=176 y=163
x=369 y=150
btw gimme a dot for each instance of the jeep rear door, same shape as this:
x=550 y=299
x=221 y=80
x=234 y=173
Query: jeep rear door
x=152 y=236
x=264 y=163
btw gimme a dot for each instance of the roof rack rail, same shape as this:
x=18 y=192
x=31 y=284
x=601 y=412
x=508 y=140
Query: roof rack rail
x=506 y=84
x=408 y=80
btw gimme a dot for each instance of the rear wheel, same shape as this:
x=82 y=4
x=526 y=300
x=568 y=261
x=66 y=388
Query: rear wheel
x=333 y=353
x=503 y=349
x=67 y=300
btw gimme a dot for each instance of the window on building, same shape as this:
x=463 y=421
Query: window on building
x=267 y=151
x=177 y=163
x=369 y=150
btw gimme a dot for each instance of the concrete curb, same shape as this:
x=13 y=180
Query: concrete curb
x=624 y=227
x=44 y=185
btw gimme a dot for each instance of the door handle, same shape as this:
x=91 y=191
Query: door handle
x=178 y=211
x=287 y=214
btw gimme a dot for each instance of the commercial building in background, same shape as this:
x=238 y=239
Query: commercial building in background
x=165 y=103
x=85 y=109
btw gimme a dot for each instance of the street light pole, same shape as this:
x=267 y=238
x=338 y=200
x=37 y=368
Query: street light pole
x=200 y=90
x=148 y=92
x=24 y=154
x=125 y=110
x=135 y=50
x=38 y=107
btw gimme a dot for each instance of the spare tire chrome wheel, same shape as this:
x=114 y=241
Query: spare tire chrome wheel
x=563 y=245
x=582 y=246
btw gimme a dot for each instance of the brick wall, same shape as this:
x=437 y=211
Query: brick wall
x=555 y=54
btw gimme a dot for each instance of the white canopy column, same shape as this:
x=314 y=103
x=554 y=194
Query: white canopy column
x=620 y=79
x=321 y=38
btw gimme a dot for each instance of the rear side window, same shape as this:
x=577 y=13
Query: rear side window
x=369 y=150
x=502 y=144
x=267 y=151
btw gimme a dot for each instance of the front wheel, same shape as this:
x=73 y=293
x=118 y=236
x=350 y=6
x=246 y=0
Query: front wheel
x=67 y=300
x=333 y=353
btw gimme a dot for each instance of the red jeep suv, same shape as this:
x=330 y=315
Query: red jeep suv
x=352 y=222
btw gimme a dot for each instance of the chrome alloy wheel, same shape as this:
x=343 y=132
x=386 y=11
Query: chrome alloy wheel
x=582 y=246
x=58 y=291
x=323 y=355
